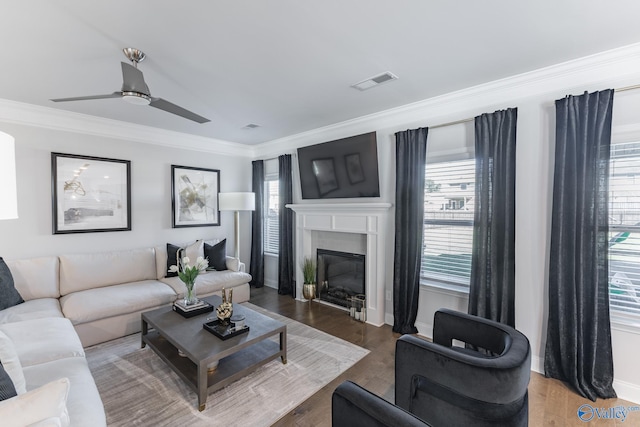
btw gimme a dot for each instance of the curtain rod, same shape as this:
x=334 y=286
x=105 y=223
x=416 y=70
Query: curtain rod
x=626 y=88
x=457 y=122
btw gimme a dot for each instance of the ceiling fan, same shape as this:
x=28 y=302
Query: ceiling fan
x=136 y=91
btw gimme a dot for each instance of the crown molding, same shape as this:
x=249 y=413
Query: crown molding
x=61 y=120
x=612 y=68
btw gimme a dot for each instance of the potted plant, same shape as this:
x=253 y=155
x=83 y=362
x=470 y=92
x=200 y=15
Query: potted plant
x=309 y=274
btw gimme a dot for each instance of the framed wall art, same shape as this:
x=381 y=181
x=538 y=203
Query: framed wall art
x=354 y=168
x=90 y=194
x=194 y=196
x=325 y=173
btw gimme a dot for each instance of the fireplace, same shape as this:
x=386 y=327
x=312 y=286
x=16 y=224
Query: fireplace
x=340 y=276
x=370 y=222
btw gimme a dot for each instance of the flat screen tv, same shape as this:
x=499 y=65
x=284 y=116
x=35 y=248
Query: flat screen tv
x=344 y=168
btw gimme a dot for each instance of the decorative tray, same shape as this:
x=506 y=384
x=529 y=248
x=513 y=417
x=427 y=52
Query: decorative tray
x=224 y=331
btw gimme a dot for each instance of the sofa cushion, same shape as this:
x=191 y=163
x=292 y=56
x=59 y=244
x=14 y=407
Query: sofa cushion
x=42 y=340
x=193 y=251
x=9 y=296
x=80 y=272
x=83 y=403
x=36 y=277
x=210 y=281
x=31 y=309
x=11 y=363
x=109 y=301
x=7 y=389
x=217 y=255
x=46 y=403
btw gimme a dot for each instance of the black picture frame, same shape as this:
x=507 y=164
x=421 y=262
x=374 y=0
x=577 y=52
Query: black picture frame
x=90 y=194
x=325 y=173
x=194 y=197
x=354 y=168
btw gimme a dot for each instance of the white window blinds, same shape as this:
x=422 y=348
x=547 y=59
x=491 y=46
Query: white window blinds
x=271 y=215
x=624 y=230
x=448 y=223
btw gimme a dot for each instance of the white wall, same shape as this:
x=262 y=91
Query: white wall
x=534 y=95
x=31 y=234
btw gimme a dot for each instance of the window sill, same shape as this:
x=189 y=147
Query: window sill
x=625 y=324
x=271 y=254
x=444 y=288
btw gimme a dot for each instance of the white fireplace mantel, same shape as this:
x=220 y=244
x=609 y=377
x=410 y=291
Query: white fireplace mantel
x=369 y=219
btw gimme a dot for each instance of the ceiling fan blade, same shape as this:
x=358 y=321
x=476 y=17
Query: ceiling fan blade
x=132 y=80
x=85 y=98
x=174 y=109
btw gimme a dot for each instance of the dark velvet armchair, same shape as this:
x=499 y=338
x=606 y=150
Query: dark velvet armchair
x=353 y=406
x=447 y=385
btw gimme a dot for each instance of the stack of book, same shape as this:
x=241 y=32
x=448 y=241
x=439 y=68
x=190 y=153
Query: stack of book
x=192 y=310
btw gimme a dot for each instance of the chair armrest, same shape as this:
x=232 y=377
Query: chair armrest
x=449 y=325
x=500 y=380
x=353 y=406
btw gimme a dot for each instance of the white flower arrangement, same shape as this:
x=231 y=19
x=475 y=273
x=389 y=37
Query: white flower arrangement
x=188 y=272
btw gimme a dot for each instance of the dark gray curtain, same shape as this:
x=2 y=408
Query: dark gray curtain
x=257 y=226
x=578 y=348
x=411 y=150
x=492 y=287
x=286 y=283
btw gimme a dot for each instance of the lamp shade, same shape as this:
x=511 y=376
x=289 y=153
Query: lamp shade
x=237 y=201
x=8 y=192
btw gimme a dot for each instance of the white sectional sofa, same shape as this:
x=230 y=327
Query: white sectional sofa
x=77 y=300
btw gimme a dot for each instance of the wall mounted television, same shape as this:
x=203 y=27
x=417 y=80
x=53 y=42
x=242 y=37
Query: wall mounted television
x=344 y=168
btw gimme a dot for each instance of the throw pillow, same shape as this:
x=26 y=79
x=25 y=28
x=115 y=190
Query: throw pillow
x=48 y=402
x=7 y=389
x=193 y=251
x=9 y=296
x=217 y=255
x=11 y=363
x=172 y=258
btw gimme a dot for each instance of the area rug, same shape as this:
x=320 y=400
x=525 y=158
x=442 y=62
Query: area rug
x=138 y=389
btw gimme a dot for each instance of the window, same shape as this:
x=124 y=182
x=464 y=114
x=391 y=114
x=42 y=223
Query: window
x=271 y=220
x=448 y=224
x=624 y=230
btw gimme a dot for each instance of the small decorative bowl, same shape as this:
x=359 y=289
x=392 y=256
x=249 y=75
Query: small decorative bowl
x=238 y=320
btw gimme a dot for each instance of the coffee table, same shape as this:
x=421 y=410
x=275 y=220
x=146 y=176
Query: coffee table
x=166 y=332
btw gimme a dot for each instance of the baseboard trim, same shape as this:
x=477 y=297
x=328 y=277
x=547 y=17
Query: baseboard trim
x=625 y=390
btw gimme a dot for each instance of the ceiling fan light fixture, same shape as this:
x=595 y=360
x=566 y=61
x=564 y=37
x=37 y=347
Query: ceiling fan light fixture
x=136 y=98
x=135 y=90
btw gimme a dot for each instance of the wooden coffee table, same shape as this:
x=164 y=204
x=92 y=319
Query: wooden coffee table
x=166 y=332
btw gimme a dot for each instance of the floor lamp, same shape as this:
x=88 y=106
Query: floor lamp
x=237 y=202
x=8 y=192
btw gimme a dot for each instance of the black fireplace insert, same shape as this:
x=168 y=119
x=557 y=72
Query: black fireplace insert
x=340 y=276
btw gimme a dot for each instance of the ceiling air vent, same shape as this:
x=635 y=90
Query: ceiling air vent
x=375 y=81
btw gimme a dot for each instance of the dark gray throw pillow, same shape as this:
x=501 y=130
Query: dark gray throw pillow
x=172 y=258
x=9 y=296
x=7 y=389
x=217 y=255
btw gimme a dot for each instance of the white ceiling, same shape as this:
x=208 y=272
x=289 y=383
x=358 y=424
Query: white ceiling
x=287 y=65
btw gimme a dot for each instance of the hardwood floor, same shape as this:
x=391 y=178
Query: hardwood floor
x=551 y=403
